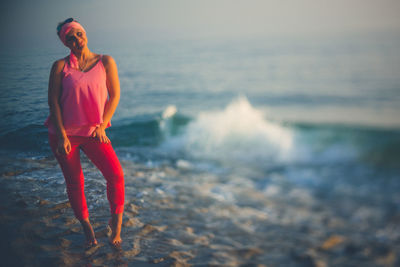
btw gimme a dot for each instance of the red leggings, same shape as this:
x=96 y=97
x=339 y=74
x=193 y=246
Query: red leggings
x=104 y=157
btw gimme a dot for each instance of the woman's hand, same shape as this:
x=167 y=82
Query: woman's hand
x=64 y=146
x=100 y=134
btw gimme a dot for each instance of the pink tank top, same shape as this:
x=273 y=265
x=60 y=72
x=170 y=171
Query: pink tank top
x=83 y=98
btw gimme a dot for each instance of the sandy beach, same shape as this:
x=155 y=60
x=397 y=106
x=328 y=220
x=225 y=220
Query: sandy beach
x=190 y=228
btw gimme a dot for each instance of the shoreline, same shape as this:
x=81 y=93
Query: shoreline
x=170 y=223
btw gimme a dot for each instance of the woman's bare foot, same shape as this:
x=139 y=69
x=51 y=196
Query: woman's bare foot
x=89 y=233
x=115 y=224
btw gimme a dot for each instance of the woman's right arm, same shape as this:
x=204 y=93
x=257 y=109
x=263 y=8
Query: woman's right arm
x=64 y=146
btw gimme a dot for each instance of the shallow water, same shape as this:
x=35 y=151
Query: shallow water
x=176 y=214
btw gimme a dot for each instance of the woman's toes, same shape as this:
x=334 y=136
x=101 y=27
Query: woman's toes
x=90 y=244
x=115 y=243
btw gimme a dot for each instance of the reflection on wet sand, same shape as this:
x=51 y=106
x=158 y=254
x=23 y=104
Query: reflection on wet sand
x=175 y=219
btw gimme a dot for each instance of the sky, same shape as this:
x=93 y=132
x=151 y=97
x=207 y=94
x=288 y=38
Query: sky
x=33 y=22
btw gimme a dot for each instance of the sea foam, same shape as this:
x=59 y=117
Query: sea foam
x=239 y=132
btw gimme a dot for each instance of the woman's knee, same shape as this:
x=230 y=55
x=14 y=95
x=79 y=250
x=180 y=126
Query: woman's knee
x=115 y=176
x=118 y=176
x=75 y=185
x=73 y=177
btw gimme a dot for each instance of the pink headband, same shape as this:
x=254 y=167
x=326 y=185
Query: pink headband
x=67 y=27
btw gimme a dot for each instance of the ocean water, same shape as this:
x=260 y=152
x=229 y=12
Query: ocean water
x=277 y=152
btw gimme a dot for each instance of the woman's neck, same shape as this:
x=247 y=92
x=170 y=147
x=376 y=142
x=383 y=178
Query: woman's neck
x=83 y=54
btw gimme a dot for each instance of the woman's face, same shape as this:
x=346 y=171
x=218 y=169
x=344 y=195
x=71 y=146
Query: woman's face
x=76 y=39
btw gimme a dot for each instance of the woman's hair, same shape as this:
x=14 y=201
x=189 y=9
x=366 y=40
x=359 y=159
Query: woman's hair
x=59 y=26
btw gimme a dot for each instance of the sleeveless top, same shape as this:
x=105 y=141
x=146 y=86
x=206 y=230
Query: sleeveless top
x=83 y=99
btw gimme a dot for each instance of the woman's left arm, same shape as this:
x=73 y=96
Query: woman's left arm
x=114 y=96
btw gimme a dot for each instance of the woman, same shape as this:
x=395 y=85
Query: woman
x=84 y=92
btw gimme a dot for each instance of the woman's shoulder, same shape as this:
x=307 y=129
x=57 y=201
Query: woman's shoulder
x=58 y=65
x=108 y=61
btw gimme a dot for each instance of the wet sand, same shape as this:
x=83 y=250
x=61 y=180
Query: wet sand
x=189 y=228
